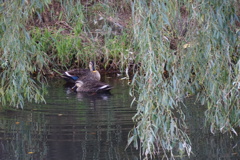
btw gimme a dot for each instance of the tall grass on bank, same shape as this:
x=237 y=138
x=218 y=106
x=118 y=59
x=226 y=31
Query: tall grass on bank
x=186 y=48
x=90 y=37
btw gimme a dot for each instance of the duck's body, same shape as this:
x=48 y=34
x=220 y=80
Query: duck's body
x=91 y=86
x=72 y=76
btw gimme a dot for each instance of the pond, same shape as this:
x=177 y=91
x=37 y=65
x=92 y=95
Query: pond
x=73 y=126
x=70 y=126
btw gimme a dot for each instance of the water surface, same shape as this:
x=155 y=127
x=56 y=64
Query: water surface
x=71 y=126
x=75 y=126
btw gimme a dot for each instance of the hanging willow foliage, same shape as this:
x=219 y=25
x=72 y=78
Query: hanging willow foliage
x=186 y=48
x=19 y=55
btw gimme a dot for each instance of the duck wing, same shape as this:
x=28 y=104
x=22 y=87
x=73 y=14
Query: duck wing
x=72 y=75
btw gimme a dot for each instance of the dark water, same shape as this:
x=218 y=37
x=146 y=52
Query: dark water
x=71 y=126
x=74 y=126
x=205 y=145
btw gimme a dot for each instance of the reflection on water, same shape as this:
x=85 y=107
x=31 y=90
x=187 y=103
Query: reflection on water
x=73 y=126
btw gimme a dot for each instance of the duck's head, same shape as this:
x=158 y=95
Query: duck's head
x=92 y=66
x=94 y=72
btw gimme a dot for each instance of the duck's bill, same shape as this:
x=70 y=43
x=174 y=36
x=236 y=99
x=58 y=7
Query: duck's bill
x=74 y=87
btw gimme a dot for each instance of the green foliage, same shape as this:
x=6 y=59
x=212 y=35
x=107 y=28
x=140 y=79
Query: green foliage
x=117 y=49
x=21 y=54
x=195 y=44
x=63 y=50
x=74 y=14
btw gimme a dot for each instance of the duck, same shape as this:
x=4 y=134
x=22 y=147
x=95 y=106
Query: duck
x=93 y=86
x=72 y=76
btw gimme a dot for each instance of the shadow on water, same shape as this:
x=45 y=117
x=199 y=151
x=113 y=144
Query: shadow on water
x=73 y=126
